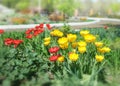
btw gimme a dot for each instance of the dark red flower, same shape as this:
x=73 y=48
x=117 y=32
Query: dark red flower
x=37 y=32
x=37 y=27
x=1 y=31
x=8 y=41
x=29 y=36
x=17 y=42
x=53 y=58
x=54 y=49
x=41 y=25
x=29 y=31
x=106 y=27
x=48 y=26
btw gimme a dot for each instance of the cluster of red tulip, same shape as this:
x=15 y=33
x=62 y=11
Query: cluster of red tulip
x=53 y=51
x=10 y=41
x=30 y=33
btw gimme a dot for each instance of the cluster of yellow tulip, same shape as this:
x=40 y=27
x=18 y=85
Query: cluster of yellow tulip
x=79 y=45
x=91 y=38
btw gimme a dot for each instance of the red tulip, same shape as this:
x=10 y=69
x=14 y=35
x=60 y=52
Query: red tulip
x=41 y=25
x=54 y=49
x=29 y=31
x=48 y=26
x=29 y=36
x=53 y=58
x=17 y=42
x=1 y=31
x=8 y=41
x=36 y=32
x=106 y=27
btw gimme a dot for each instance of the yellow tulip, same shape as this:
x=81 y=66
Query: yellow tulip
x=47 y=39
x=82 y=44
x=71 y=37
x=60 y=34
x=99 y=58
x=89 y=38
x=61 y=59
x=98 y=44
x=82 y=49
x=56 y=32
x=84 y=32
x=104 y=49
x=52 y=33
x=73 y=56
x=74 y=44
x=62 y=40
x=46 y=43
x=64 y=46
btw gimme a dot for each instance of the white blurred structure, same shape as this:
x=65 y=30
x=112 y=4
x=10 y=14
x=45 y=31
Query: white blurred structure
x=5 y=10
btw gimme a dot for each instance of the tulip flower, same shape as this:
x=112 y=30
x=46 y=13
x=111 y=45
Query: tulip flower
x=99 y=58
x=54 y=49
x=89 y=38
x=98 y=44
x=84 y=32
x=1 y=31
x=60 y=59
x=53 y=58
x=73 y=56
x=48 y=26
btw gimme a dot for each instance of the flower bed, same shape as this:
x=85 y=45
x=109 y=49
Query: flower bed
x=48 y=56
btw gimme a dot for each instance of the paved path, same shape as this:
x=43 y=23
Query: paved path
x=96 y=23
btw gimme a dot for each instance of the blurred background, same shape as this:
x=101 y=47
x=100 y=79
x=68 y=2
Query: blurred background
x=57 y=9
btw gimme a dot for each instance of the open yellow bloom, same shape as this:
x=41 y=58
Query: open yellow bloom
x=74 y=44
x=71 y=37
x=62 y=40
x=60 y=34
x=73 y=56
x=47 y=39
x=84 y=32
x=99 y=58
x=46 y=43
x=64 y=46
x=98 y=44
x=89 y=38
x=104 y=49
x=57 y=33
x=82 y=44
x=61 y=59
x=82 y=49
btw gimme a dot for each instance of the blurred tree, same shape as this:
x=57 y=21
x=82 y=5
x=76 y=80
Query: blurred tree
x=67 y=6
x=48 y=5
x=9 y=3
x=115 y=7
x=22 y=5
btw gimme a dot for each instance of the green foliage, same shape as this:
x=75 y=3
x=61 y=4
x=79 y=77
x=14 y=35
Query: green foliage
x=22 y=5
x=28 y=64
x=67 y=6
x=18 y=4
x=48 y=5
x=115 y=7
x=10 y=3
